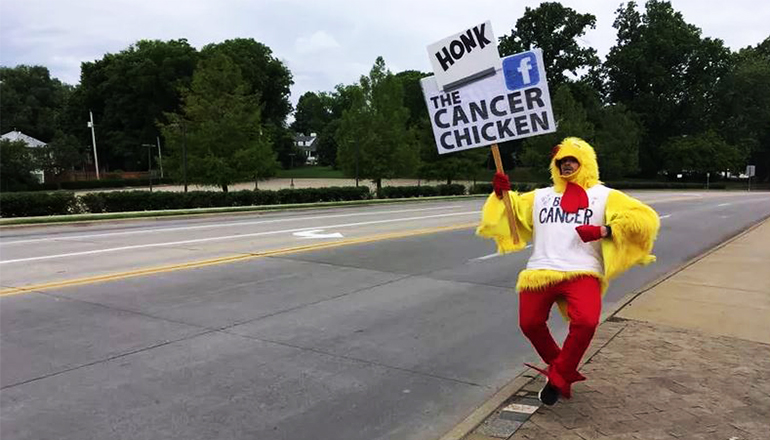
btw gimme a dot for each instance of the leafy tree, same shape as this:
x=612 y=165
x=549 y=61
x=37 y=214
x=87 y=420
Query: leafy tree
x=743 y=115
x=271 y=80
x=376 y=126
x=706 y=152
x=313 y=113
x=62 y=154
x=327 y=144
x=266 y=75
x=616 y=142
x=433 y=166
x=128 y=93
x=571 y=120
x=16 y=166
x=662 y=70
x=31 y=101
x=225 y=141
x=414 y=100
x=555 y=29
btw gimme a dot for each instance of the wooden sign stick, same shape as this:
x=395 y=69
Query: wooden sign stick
x=506 y=199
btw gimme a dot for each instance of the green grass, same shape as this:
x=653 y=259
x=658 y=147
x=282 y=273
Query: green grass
x=311 y=172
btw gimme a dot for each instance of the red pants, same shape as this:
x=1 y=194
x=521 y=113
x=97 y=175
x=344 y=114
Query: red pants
x=584 y=305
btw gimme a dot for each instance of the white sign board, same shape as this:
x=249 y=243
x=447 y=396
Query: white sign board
x=751 y=170
x=512 y=104
x=465 y=56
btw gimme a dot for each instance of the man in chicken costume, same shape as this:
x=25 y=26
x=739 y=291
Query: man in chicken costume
x=583 y=234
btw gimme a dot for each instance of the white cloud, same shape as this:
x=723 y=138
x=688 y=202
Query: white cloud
x=318 y=42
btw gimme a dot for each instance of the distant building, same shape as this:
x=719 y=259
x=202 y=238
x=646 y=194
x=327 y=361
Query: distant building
x=31 y=143
x=308 y=146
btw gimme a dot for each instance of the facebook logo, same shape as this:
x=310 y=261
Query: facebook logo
x=521 y=71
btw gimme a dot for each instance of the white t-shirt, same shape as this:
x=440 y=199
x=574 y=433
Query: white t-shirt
x=557 y=245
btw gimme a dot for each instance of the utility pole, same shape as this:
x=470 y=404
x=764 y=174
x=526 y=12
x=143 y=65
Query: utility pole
x=184 y=154
x=160 y=157
x=93 y=140
x=149 y=162
x=291 y=166
x=358 y=147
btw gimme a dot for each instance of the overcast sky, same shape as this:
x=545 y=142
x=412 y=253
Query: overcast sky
x=323 y=42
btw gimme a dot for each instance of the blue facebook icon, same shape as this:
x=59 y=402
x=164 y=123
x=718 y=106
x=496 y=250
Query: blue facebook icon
x=521 y=71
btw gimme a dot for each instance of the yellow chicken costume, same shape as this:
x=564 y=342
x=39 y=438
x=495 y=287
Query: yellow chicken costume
x=572 y=262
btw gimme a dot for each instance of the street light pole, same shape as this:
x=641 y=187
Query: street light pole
x=358 y=146
x=291 y=166
x=184 y=154
x=149 y=162
x=93 y=140
x=160 y=157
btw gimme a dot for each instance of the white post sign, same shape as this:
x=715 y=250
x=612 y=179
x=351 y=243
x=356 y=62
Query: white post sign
x=514 y=103
x=751 y=170
x=464 y=56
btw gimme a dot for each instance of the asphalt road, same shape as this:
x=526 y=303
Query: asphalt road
x=388 y=322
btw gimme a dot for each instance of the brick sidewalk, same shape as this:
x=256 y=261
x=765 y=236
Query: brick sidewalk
x=659 y=382
x=688 y=359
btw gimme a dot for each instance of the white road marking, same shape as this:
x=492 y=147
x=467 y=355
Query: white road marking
x=237 y=236
x=496 y=254
x=665 y=216
x=224 y=225
x=486 y=257
x=724 y=204
x=316 y=233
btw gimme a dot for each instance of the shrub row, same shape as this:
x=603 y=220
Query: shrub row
x=94 y=184
x=143 y=201
x=486 y=188
x=28 y=204
x=400 y=192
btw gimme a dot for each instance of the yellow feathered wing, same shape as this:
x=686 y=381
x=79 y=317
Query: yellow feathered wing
x=634 y=230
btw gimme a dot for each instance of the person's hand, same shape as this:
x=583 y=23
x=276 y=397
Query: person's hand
x=590 y=233
x=500 y=183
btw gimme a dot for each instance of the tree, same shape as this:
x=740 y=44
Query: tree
x=271 y=80
x=374 y=132
x=706 y=152
x=555 y=29
x=313 y=113
x=16 y=166
x=31 y=101
x=225 y=140
x=616 y=141
x=266 y=75
x=571 y=120
x=62 y=154
x=743 y=116
x=327 y=144
x=662 y=70
x=128 y=93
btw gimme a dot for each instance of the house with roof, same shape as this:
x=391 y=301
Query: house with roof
x=31 y=143
x=308 y=146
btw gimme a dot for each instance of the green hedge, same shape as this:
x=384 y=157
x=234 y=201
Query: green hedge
x=29 y=204
x=486 y=188
x=95 y=184
x=399 y=192
x=121 y=201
